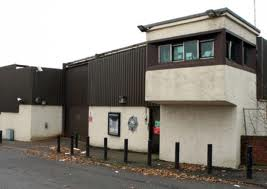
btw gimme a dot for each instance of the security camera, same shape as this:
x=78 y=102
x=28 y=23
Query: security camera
x=39 y=69
x=20 y=100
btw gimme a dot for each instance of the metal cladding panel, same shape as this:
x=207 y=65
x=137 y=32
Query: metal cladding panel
x=76 y=100
x=120 y=74
x=48 y=85
x=261 y=68
x=76 y=85
x=15 y=83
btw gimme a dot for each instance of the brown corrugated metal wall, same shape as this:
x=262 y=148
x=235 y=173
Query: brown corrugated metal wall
x=75 y=115
x=261 y=68
x=120 y=74
x=26 y=83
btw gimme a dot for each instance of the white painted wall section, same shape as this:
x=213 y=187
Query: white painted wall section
x=20 y=122
x=98 y=128
x=29 y=122
x=191 y=84
x=202 y=24
x=46 y=115
x=195 y=126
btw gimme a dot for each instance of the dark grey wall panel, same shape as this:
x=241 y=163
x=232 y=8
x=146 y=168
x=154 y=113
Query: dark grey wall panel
x=261 y=68
x=15 y=83
x=48 y=85
x=75 y=109
x=28 y=84
x=76 y=85
x=120 y=74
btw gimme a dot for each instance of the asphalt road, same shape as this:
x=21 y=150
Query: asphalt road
x=18 y=171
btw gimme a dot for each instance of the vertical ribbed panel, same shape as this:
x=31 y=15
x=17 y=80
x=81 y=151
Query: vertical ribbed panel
x=120 y=74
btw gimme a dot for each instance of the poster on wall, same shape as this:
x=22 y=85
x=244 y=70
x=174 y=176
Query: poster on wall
x=114 y=124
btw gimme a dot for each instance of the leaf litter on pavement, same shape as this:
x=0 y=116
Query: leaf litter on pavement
x=168 y=171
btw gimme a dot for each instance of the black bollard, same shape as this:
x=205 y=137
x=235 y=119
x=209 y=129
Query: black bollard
x=71 y=145
x=177 y=155
x=1 y=135
x=76 y=140
x=87 y=146
x=209 y=160
x=105 y=148
x=58 y=144
x=149 y=153
x=125 y=150
x=249 y=162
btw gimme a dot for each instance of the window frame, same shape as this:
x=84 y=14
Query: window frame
x=198 y=42
x=213 y=48
x=229 y=50
x=197 y=51
x=170 y=46
x=177 y=45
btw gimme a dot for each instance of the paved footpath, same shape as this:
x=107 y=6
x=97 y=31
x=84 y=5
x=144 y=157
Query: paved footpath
x=19 y=171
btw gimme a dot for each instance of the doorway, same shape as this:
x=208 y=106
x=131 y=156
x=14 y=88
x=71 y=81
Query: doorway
x=154 y=128
x=76 y=101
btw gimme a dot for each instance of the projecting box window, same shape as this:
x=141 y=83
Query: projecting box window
x=186 y=51
x=114 y=122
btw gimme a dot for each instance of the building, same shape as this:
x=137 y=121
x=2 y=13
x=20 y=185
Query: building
x=99 y=88
x=201 y=69
x=196 y=80
x=194 y=77
x=30 y=102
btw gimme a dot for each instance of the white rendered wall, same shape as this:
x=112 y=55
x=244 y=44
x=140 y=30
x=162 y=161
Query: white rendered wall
x=29 y=122
x=195 y=126
x=98 y=128
x=52 y=115
x=191 y=84
x=199 y=85
x=202 y=24
x=20 y=122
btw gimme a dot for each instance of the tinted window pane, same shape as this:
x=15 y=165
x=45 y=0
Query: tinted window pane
x=165 y=55
x=206 y=49
x=178 y=53
x=190 y=48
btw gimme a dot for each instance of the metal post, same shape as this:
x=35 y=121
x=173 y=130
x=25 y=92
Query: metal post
x=125 y=150
x=105 y=148
x=177 y=155
x=209 y=161
x=76 y=140
x=1 y=135
x=249 y=162
x=58 y=144
x=87 y=146
x=71 y=145
x=149 y=153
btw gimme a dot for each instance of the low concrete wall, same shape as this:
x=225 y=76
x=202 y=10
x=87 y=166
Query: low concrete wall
x=29 y=123
x=98 y=128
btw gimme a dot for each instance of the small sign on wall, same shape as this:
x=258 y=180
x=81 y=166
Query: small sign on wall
x=132 y=123
x=90 y=117
x=114 y=120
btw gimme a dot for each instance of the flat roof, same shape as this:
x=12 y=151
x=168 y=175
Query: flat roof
x=216 y=13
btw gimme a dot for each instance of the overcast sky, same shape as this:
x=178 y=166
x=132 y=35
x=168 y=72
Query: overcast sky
x=51 y=32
